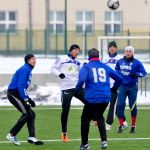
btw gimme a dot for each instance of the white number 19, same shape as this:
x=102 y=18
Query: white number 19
x=99 y=74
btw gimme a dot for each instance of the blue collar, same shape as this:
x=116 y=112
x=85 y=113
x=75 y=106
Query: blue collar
x=113 y=55
x=29 y=66
x=71 y=56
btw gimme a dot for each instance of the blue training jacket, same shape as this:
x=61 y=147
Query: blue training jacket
x=96 y=77
x=130 y=70
x=21 y=80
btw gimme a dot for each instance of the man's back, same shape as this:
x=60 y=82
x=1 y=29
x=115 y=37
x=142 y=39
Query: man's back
x=97 y=84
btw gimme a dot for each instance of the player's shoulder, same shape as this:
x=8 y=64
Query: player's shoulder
x=106 y=67
x=137 y=61
x=121 y=59
x=63 y=58
x=118 y=56
x=105 y=59
x=24 y=69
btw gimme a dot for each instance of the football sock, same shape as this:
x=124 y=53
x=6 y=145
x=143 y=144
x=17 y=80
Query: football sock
x=133 y=121
x=121 y=121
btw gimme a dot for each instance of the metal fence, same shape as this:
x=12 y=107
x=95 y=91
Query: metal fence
x=45 y=43
x=144 y=86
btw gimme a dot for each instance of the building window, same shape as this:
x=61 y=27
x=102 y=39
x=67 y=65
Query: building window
x=8 y=21
x=84 y=22
x=113 y=23
x=56 y=22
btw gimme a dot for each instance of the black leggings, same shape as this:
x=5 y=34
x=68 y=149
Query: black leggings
x=28 y=116
x=66 y=101
x=89 y=111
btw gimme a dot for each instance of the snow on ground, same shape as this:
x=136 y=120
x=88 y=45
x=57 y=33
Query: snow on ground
x=8 y=65
x=48 y=94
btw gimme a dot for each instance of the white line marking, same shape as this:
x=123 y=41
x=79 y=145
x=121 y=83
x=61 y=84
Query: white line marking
x=59 y=108
x=97 y=139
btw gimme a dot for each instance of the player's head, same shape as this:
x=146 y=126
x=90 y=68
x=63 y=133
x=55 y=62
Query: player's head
x=74 y=50
x=112 y=48
x=129 y=51
x=30 y=59
x=93 y=53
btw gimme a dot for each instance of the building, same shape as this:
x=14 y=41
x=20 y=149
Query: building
x=50 y=26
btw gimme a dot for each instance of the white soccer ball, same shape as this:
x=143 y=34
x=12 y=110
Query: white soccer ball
x=113 y=4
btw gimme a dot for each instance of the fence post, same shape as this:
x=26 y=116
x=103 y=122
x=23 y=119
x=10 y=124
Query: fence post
x=149 y=48
x=145 y=85
x=29 y=40
x=141 y=86
x=56 y=51
x=129 y=42
x=65 y=34
x=85 y=43
x=27 y=43
x=46 y=34
x=7 y=41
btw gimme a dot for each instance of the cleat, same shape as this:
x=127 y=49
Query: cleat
x=64 y=137
x=33 y=140
x=94 y=123
x=132 y=130
x=125 y=124
x=84 y=147
x=108 y=127
x=12 y=139
x=121 y=128
x=104 y=145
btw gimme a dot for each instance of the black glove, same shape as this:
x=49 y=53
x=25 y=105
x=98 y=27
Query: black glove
x=26 y=104
x=32 y=103
x=133 y=75
x=62 y=76
x=113 y=90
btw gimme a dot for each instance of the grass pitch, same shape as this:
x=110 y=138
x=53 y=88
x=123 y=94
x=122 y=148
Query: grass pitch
x=48 y=129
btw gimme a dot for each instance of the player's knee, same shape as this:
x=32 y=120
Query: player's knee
x=25 y=117
x=134 y=112
x=120 y=107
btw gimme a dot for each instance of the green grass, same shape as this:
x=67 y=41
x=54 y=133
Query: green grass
x=48 y=127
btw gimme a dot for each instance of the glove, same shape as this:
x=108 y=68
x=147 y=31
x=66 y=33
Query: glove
x=62 y=76
x=32 y=103
x=26 y=104
x=133 y=75
x=113 y=90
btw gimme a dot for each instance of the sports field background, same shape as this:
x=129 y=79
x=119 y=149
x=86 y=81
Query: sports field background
x=48 y=129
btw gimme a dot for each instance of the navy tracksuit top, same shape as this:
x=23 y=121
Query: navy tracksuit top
x=129 y=67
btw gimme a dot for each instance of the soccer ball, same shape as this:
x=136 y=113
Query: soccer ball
x=113 y=4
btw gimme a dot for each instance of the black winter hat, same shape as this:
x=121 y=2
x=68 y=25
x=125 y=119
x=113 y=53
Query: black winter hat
x=112 y=43
x=93 y=53
x=28 y=57
x=74 y=46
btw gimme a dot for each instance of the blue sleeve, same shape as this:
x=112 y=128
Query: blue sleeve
x=117 y=68
x=141 y=70
x=117 y=77
x=22 y=84
x=83 y=74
